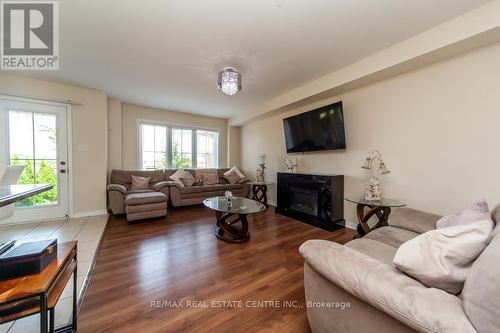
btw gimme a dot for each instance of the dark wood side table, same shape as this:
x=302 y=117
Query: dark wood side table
x=366 y=209
x=259 y=191
x=39 y=293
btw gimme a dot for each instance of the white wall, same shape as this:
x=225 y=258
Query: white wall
x=437 y=127
x=89 y=126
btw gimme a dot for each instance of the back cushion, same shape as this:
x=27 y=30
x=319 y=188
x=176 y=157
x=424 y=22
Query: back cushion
x=124 y=178
x=481 y=293
x=495 y=214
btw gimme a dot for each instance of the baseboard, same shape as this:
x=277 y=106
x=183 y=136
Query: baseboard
x=351 y=225
x=271 y=203
x=90 y=213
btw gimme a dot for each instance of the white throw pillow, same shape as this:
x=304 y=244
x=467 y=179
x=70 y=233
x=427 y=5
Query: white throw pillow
x=176 y=177
x=442 y=258
x=234 y=169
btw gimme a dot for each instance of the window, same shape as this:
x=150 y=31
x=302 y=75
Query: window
x=164 y=147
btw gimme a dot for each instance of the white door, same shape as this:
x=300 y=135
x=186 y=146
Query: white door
x=36 y=135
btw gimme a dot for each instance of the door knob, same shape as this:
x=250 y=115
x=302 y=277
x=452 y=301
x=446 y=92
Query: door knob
x=62 y=171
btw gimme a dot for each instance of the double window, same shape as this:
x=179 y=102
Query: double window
x=166 y=147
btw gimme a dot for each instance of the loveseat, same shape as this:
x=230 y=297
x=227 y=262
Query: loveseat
x=356 y=288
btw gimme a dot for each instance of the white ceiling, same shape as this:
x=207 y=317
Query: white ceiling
x=167 y=53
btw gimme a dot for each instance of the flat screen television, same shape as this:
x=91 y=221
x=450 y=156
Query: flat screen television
x=319 y=129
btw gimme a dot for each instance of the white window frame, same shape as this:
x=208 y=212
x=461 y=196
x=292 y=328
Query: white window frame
x=169 y=127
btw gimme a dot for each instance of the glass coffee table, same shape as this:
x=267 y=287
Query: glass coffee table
x=232 y=224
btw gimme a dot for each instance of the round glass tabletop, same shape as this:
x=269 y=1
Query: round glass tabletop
x=385 y=202
x=239 y=206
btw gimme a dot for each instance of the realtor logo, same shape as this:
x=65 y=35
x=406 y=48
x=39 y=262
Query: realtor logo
x=30 y=35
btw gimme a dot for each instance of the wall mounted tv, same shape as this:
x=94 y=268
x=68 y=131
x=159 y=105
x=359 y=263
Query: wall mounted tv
x=319 y=129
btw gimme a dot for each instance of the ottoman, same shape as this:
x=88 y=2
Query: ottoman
x=146 y=205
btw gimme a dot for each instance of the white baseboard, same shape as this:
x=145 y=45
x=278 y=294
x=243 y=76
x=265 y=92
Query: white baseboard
x=86 y=214
x=272 y=203
x=351 y=225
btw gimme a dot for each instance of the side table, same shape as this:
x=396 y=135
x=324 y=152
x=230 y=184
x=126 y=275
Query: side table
x=39 y=293
x=259 y=191
x=365 y=209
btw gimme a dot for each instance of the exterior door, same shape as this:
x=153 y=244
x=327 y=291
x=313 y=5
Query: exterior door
x=35 y=135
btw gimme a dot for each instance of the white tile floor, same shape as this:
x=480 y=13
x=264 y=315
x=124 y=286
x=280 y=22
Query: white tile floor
x=87 y=230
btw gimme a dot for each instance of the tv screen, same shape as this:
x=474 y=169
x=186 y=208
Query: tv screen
x=319 y=129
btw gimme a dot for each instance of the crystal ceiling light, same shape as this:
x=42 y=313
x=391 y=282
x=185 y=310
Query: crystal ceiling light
x=229 y=81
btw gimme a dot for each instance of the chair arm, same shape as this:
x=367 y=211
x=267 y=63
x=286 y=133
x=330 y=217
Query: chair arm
x=387 y=289
x=117 y=187
x=166 y=183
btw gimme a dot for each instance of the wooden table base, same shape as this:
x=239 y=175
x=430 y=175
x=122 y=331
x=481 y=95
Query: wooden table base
x=382 y=214
x=226 y=229
x=259 y=193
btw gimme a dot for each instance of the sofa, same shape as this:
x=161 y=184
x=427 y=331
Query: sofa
x=194 y=195
x=356 y=288
x=121 y=184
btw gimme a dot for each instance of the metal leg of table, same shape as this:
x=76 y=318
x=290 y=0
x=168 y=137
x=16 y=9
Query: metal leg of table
x=43 y=313
x=52 y=320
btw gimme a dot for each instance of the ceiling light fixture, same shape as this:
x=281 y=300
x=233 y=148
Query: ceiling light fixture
x=229 y=81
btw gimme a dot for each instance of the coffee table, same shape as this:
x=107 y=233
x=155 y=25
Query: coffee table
x=232 y=223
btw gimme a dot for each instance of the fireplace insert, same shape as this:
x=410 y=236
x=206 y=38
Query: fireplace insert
x=314 y=199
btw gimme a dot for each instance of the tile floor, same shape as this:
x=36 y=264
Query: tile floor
x=87 y=230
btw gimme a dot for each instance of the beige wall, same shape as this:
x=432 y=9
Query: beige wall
x=114 y=134
x=234 y=146
x=132 y=114
x=437 y=127
x=89 y=126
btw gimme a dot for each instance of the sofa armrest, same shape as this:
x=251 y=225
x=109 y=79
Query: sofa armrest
x=243 y=181
x=117 y=187
x=387 y=289
x=166 y=183
x=413 y=220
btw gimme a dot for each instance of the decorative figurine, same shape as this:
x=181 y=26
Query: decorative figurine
x=260 y=173
x=373 y=190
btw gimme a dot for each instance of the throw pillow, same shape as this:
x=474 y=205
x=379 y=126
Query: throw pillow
x=176 y=177
x=476 y=212
x=232 y=177
x=210 y=179
x=188 y=181
x=140 y=183
x=234 y=169
x=442 y=258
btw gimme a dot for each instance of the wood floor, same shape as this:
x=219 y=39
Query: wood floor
x=196 y=282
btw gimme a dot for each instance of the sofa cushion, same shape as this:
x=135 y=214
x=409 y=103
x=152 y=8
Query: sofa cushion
x=176 y=177
x=387 y=289
x=375 y=249
x=209 y=188
x=495 y=214
x=413 y=220
x=140 y=183
x=199 y=173
x=123 y=177
x=391 y=236
x=476 y=212
x=442 y=258
x=232 y=177
x=145 y=198
x=481 y=293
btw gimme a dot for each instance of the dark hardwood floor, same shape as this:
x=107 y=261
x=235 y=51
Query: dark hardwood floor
x=177 y=260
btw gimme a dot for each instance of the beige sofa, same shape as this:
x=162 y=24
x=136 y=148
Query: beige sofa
x=194 y=195
x=355 y=288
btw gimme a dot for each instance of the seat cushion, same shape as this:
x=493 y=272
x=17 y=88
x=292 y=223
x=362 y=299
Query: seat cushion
x=145 y=198
x=413 y=220
x=375 y=249
x=391 y=236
